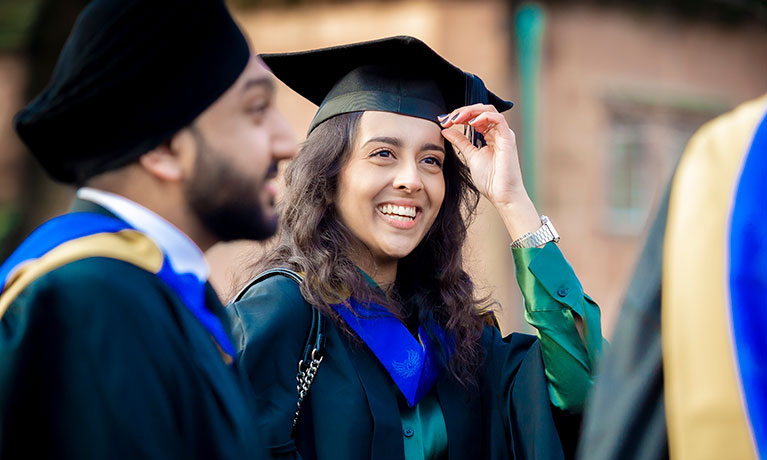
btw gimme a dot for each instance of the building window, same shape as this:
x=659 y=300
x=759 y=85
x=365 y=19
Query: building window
x=645 y=142
x=629 y=156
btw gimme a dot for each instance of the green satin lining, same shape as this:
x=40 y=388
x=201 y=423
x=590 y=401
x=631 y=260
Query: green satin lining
x=553 y=295
x=424 y=432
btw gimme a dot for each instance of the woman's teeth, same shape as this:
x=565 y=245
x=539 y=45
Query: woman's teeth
x=402 y=213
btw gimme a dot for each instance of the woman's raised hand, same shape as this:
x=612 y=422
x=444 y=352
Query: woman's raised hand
x=494 y=167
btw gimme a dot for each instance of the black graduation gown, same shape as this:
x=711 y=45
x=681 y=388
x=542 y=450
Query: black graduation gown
x=100 y=359
x=352 y=412
x=626 y=414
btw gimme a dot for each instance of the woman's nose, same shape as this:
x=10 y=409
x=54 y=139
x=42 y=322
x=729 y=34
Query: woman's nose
x=408 y=178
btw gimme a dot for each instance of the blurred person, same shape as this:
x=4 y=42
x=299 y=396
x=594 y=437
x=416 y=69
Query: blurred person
x=685 y=377
x=395 y=354
x=113 y=344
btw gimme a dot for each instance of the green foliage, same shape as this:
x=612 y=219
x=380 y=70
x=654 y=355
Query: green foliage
x=16 y=20
x=10 y=218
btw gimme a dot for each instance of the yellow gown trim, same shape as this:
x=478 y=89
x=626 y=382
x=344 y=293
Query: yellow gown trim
x=705 y=413
x=127 y=245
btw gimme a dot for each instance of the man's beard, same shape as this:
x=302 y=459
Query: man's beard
x=226 y=201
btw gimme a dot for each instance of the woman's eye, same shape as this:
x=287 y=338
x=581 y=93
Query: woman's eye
x=433 y=161
x=382 y=154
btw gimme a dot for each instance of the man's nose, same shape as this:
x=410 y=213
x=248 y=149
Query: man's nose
x=283 y=139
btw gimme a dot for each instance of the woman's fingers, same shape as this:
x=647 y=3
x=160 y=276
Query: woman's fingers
x=486 y=122
x=462 y=115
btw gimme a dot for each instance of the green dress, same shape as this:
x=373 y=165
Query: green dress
x=354 y=410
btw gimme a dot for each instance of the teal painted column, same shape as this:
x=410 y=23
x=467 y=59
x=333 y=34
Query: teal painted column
x=528 y=24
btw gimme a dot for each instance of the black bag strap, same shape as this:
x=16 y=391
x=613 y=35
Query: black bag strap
x=315 y=342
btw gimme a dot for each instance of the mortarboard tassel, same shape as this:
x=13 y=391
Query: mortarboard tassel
x=476 y=93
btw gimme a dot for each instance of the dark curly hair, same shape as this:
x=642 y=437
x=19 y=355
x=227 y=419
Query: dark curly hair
x=430 y=282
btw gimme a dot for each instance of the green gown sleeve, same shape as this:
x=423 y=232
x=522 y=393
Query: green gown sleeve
x=553 y=296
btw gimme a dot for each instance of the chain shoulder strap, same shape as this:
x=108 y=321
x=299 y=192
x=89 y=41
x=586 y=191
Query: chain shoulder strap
x=305 y=377
x=313 y=350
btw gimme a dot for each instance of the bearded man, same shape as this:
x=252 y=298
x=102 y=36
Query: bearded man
x=112 y=342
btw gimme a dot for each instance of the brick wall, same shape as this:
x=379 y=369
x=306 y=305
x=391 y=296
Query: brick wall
x=597 y=64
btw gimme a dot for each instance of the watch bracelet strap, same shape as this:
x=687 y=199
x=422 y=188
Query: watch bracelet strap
x=519 y=241
x=531 y=240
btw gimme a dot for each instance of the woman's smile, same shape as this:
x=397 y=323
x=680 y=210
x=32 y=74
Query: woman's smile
x=402 y=216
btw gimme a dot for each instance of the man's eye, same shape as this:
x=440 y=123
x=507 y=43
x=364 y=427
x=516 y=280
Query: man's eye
x=257 y=109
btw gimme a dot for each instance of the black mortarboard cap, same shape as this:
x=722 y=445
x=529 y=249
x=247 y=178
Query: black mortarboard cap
x=131 y=74
x=397 y=74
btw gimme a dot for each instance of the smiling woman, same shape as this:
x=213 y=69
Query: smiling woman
x=375 y=217
x=391 y=189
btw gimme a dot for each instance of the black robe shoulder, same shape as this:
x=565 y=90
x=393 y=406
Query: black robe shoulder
x=100 y=359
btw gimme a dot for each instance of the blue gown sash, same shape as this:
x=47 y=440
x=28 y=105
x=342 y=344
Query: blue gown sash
x=413 y=365
x=68 y=227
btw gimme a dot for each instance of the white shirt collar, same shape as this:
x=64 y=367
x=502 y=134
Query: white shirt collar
x=183 y=254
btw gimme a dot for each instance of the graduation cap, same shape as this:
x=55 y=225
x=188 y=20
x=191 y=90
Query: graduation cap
x=131 y=74
x=397 y=74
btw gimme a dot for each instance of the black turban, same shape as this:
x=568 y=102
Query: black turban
x=131 y=74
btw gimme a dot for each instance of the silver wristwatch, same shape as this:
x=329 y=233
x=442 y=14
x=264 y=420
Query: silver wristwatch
x=543 y=235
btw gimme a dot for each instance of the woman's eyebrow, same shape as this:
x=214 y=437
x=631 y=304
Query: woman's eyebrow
x=385 y=140
x=429 y=146
x=396 y=142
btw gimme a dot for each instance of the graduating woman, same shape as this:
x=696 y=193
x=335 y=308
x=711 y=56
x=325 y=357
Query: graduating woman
x=374 y=220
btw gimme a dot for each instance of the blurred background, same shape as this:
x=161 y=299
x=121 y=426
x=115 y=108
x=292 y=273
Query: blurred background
x=608 y=93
